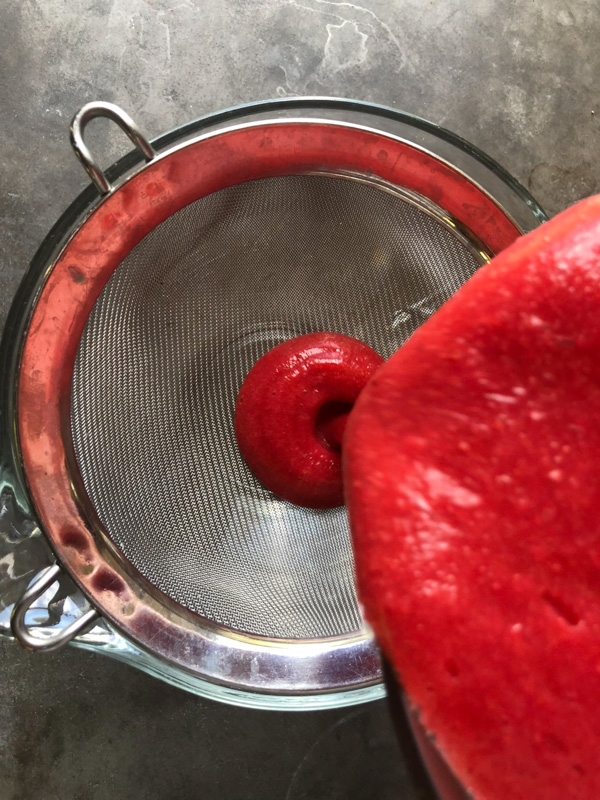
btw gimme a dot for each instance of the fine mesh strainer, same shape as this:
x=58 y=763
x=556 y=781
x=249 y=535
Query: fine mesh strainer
x=142 y=320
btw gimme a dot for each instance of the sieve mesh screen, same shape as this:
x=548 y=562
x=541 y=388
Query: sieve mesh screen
x=163 y=355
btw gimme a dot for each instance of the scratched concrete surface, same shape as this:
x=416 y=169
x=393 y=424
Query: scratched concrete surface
x=520 y=80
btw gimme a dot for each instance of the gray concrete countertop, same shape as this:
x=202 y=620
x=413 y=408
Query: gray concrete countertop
x=521 y=80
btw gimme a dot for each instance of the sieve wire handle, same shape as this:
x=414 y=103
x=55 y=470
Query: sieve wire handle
x=19 y=627
x=110 y=111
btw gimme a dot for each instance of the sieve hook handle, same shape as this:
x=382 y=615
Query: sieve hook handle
x=110 y=111
x=20 y=630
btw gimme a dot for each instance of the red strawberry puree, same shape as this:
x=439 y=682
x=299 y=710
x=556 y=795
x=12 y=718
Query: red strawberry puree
x=472 y=476
x=292 y=410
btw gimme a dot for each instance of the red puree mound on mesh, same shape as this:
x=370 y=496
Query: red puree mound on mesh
x=472 y=468
x=291 y=413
